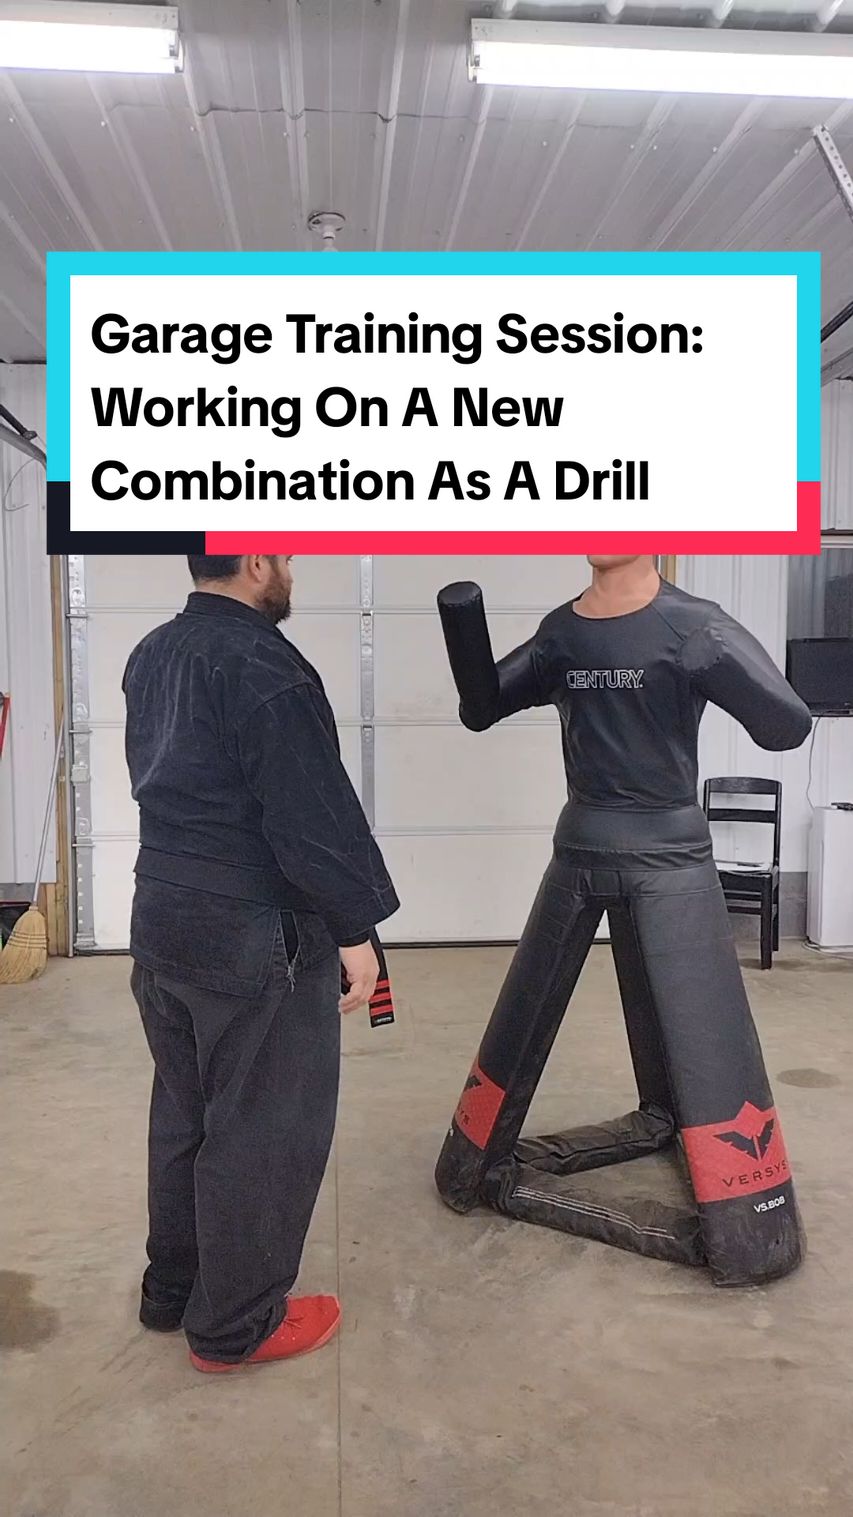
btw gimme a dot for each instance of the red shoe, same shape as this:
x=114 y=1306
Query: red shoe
x=311 y=1322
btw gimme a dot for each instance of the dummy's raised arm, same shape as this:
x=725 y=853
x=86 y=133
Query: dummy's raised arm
x=731 y=669
x=488 y=691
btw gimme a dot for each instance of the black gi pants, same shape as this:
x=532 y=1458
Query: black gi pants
x=242 y=1118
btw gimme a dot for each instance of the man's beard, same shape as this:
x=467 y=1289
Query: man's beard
x=274 y=604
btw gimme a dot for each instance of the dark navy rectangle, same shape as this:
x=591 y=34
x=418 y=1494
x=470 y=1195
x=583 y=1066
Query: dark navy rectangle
x=61 y=539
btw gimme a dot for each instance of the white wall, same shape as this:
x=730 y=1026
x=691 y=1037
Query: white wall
x=755 y=591
x=837 y=456
x=26 y=669
x=752 y=589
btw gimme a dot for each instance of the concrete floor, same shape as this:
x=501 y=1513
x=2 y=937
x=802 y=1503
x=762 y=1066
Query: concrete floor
x=486 y=1368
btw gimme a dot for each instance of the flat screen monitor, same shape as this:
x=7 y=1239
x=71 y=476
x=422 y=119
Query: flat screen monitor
x=821 y=671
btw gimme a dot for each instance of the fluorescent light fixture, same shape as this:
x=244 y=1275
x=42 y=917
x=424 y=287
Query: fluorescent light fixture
x=663 y=59
x=90 y=38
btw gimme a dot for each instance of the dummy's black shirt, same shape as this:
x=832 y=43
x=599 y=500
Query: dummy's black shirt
x=631 y=690
x=234 y=762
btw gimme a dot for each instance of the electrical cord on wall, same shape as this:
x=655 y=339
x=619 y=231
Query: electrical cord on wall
x=10 y=510
x=15 y=434
x=811 y=758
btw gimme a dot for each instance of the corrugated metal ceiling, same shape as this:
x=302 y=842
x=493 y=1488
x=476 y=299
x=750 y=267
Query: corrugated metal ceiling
x=364 y=106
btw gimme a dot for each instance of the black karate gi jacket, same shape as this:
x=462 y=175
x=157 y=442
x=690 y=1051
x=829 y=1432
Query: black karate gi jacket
x=246 y=810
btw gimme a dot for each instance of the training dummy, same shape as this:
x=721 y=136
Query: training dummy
x=630 y=666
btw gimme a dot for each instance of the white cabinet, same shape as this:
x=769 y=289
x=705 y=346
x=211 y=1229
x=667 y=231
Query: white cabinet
x=830 y=909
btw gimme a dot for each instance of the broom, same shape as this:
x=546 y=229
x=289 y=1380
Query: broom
x=25 y=954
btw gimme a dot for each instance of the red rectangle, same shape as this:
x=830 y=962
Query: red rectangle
x=479 y=1105
x=805 y=539
x=739 y=1157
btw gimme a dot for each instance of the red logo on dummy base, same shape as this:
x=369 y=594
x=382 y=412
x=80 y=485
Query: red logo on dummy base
x=736 y=1158
x=478 y=1108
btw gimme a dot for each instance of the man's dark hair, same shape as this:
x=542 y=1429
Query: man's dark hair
x=213 y=566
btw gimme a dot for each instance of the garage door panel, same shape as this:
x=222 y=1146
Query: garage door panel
x=112 y=879
x=458 y=888
x=163 y=581
x=413 y=680
x=113 y=807
x=534 y=580
x=333 y=645
x=330 y=581
x=470 y=815
x=443 y=777
x=112 y=636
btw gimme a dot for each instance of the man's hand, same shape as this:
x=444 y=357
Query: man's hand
x=361 y=968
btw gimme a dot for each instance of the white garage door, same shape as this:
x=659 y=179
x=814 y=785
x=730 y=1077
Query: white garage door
x=464 y=819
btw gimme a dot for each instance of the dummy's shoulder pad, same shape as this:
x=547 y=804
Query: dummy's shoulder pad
x=701 y=650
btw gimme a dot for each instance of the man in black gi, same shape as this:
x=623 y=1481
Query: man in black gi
x=257 y=878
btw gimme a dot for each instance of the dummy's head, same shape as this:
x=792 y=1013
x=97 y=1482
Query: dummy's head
x=613 y=560
x=261 y=580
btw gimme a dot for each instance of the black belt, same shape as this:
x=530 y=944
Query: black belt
x=239 y=882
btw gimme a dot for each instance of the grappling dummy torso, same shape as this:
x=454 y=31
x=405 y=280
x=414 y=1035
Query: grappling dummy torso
x=631 y=841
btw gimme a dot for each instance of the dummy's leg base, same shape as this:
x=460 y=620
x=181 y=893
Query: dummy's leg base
x=695 y=1053
x=732 y=1267
x=535 y=1184
x=634 y=1136
x=636 y=1223
x=642 y=1132
x=458 y=1176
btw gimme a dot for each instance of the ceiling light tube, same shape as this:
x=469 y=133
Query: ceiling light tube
x=89 y=38
x=662 y=59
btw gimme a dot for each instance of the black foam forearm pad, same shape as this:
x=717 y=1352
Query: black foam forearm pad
x=469 y=648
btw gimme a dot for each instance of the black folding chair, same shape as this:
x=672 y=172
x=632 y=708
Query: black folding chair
x=750 y=889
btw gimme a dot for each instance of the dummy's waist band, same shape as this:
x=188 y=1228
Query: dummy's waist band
x=239 y=882
x=681 y=833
